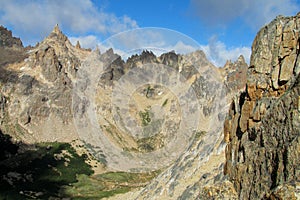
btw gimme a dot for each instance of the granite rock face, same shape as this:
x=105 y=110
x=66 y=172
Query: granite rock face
x=262 y=130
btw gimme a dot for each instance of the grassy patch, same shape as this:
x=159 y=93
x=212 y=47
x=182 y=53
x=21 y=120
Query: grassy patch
x=107 y=184
x=149 y=91
x=19 y=129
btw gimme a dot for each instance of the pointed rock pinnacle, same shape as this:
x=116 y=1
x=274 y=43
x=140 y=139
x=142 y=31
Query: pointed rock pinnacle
x=56 y=29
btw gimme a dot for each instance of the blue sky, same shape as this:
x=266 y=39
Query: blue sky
x=224 y=29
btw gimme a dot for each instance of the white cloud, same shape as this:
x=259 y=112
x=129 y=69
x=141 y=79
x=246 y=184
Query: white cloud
x=255 y=12
x=182 y=48
x=35 y=19
x=157 y=40
x=218 y=53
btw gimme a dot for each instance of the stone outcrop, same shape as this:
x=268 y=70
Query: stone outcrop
x=11 y=48
x=262 y=130
x=7 y=39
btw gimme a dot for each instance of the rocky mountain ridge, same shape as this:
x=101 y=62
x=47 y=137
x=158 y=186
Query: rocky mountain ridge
x=36 y=92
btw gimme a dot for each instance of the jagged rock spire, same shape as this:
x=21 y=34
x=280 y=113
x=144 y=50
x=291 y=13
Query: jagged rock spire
x=57 y=34
x=56 y=29
x=78 y=46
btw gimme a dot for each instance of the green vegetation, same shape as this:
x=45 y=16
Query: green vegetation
x=130 y=178
x=149 y=144
x=19 y=129
x=146 y=147
x=145 y=116
x=56 y=171
x=107 y=184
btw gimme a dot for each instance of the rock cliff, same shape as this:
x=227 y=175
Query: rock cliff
x=263 y=127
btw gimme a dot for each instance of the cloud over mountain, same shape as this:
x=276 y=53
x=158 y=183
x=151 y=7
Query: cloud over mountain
x=35 y=19
x=218 y=53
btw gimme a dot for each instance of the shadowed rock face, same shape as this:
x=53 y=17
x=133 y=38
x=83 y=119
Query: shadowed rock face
x=263 y=126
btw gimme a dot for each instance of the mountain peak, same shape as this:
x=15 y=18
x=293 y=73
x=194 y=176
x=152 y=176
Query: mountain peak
x=57 y=34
